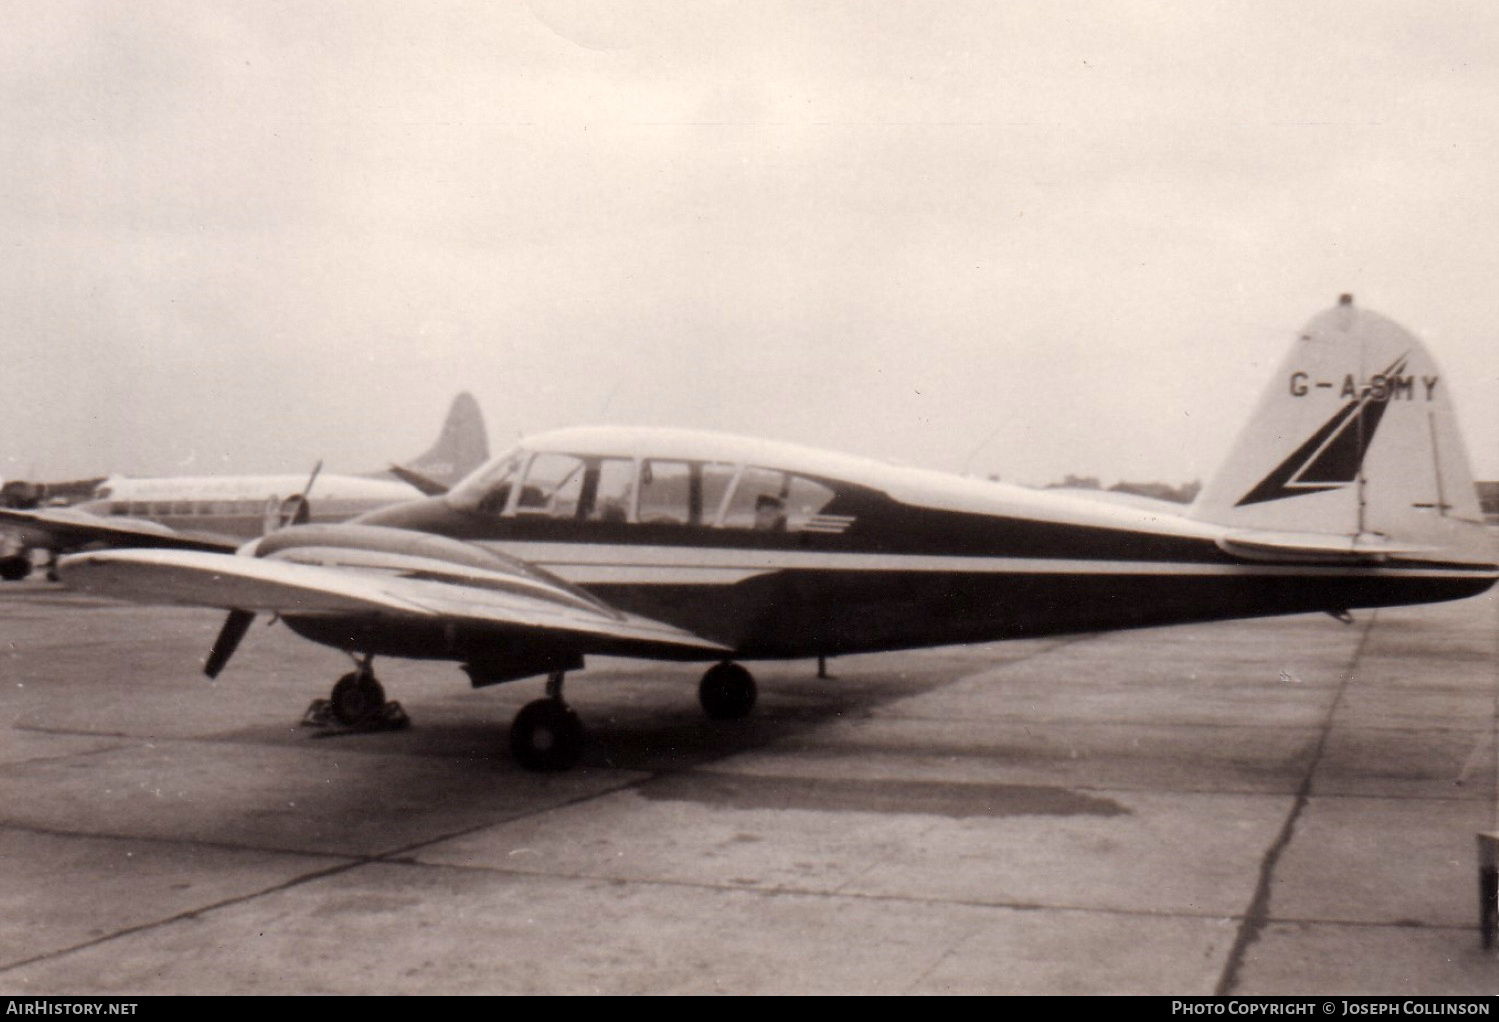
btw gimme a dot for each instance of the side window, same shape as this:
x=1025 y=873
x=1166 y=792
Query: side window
x=717 y=478
x=667 y=493
x=759 y=491
x=554 y=483
x=769 y=501
x=608 y=490
x=804 y=499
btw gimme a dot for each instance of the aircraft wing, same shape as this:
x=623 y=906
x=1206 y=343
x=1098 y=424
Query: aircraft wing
x=71 y=527
x=516 y=603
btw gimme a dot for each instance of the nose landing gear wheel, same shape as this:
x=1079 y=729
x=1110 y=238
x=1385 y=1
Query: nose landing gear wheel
x=727 y=691
x=546 y=735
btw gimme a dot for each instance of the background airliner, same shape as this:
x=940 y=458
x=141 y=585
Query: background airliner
x=220 y=512
x=1348 y=488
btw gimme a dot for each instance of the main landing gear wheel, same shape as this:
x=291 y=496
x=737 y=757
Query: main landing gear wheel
x=727 y=691
x=357 y=703
x=357 y=699
x=546 y=735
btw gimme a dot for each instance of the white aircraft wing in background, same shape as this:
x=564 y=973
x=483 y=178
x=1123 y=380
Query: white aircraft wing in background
x=70 y=527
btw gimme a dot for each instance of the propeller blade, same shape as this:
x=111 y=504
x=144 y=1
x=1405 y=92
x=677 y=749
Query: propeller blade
x=307 y=490
x=302 y=513
x=235 y=627
x=293 y=510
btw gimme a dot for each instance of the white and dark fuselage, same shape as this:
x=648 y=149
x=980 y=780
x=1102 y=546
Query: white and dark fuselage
x=241 y=507
x=868 y=556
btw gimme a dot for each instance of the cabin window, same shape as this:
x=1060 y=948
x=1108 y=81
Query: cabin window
x=717 y=479
x=804 y=499
x=670 y=493
x=771 y=501
x=608 y=488
x=758 y=488
x=119 y=507
x=553 y=486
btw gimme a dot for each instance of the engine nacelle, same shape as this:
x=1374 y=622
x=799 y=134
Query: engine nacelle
x=489 y=658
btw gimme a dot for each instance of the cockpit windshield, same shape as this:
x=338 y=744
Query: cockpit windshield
x=487 y=488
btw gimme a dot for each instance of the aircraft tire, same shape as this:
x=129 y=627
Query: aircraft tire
x=546 y=735
x=727 y=691
x=357 y=698
x=14 y=569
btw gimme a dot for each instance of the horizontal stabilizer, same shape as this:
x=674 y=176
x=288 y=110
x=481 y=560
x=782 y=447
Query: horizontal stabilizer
x=427 y=486
x=1316 y=546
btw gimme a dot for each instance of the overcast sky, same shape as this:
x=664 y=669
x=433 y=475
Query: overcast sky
x=1016 y=238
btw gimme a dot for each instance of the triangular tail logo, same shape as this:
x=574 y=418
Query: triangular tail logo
x=1330 y=459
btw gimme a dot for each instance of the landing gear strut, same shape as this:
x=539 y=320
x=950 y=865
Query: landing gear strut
x=547 y=734
x=727 y=691
x=357 y=702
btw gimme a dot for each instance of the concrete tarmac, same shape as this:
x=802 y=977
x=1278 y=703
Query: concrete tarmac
x=1283 y=806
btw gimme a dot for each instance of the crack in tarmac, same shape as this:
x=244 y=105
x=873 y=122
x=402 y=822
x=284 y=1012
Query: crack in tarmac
x=1257 y=917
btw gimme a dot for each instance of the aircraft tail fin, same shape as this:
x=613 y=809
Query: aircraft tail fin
x=462 y=446
x=1354 y=446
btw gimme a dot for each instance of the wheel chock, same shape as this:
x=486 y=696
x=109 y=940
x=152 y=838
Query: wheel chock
x=390 y=718
x=319 y=714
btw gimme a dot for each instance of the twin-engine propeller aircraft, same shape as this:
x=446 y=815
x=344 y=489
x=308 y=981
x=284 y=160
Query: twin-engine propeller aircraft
x=1348 y=488
x=220 y=512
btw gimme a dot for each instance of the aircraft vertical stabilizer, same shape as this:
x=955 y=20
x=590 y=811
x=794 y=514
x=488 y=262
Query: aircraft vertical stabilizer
x=1355 y=437
x=462 y=447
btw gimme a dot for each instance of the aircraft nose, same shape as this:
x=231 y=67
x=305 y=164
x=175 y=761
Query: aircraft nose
x=425 y=515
